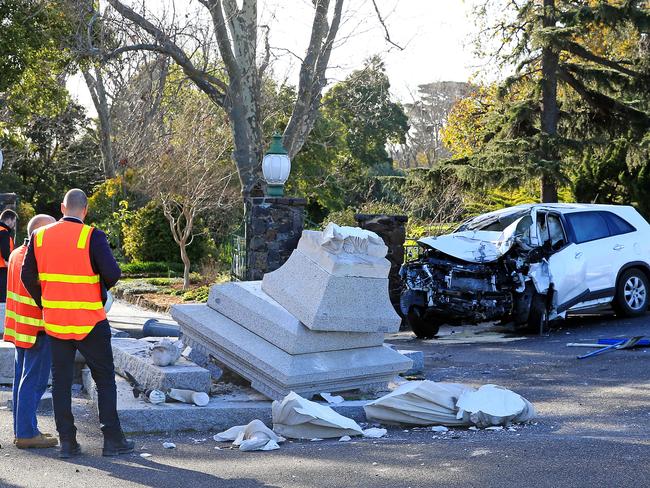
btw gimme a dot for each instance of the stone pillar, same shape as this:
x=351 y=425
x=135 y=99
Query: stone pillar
x=8 y=200
x=273 y=228
x=392 y=229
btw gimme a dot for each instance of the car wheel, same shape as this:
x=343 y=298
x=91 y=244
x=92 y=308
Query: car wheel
x=631 y=298
x=421 y=323
x=537 y=314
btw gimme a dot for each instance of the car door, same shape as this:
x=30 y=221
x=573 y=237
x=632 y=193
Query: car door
x=622 y=245
x=590 y=233
x=568 y=273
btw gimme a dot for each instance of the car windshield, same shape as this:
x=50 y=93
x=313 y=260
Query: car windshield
x=495 y=222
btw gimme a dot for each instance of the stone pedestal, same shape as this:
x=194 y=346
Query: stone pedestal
x=8 y=200
x=314 y=325
x=273 y=229
x=392 y=229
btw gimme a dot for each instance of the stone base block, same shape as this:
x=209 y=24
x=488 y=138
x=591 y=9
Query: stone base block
x=132 y=355
x=7 y=361
x=246 y=304
x=273 y=371
x=44 y=405
x=137 y=416
x=418 y=361
x=326 y=302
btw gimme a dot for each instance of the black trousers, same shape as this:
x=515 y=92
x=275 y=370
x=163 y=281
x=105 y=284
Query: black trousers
x=96 y=348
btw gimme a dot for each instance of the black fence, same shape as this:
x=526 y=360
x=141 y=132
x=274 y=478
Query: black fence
x=238 y=261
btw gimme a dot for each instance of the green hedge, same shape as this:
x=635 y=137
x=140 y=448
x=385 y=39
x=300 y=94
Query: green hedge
x=151 y=268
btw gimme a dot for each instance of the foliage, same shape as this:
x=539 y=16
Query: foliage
x=147 y=237
x=139 y=268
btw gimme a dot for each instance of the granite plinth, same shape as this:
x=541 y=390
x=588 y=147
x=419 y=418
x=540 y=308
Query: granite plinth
x=44 y=404
x=223 y=411
x=325 y=302
x=273 y=371
x=132 y=355
x=246 y=304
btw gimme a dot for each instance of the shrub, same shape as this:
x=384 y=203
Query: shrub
x=147 y=237
x=138 y=268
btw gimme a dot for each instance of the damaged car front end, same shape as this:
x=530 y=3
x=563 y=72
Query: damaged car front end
x=495 y=267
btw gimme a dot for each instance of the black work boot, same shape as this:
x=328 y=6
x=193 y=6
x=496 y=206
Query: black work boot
x=69 y=448
x=115 y=447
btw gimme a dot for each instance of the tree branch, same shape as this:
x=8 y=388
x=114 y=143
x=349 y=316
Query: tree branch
x=383 y=24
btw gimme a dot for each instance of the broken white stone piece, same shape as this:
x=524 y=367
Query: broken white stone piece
x=329 y=398
x=165 y=353
x=169 y=445
x=492 y=405
x=439 y=428
x=198 y=398
x=374 y=433
x=352 y=240
x=345 y=438
x=299 y=418
x=145 y=455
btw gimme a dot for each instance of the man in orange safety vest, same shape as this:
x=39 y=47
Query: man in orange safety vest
x=68 y=269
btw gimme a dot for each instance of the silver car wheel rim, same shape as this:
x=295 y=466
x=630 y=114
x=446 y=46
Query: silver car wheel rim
x=635 y=293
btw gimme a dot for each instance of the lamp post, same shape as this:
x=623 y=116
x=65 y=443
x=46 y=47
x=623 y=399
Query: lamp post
x=276 y=167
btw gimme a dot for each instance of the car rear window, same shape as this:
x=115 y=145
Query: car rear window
x=588 y=226
x=617 y=225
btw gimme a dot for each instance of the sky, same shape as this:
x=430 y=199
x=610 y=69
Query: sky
x=436 y=36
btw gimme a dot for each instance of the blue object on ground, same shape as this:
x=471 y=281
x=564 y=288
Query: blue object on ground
x=156 y=328
x=609 y=342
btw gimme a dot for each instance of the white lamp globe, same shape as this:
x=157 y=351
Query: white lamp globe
x=276 y=167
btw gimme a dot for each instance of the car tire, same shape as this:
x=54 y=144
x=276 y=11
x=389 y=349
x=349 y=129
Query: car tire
x=631 y=299
x=537 y=315
x=421 y=323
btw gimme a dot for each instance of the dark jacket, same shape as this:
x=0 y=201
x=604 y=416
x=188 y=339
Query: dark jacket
x=5 y=252
x=101 y=260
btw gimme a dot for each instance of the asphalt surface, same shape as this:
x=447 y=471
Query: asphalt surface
x=592 y=431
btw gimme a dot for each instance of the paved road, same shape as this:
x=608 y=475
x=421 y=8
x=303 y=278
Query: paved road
x=592 y=431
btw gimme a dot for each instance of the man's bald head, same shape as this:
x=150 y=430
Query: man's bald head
x=75 y=204
x=39 y=221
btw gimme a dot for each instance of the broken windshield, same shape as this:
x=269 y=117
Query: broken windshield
x=494 y=221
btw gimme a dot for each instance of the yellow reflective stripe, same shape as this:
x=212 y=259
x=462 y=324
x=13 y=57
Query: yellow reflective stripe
x=72 y=305
x=69 y=329
x=20 y=337
x=39 y=237
x=66 y=278
x=83 y=237
x=21 y=299
x=21 y=319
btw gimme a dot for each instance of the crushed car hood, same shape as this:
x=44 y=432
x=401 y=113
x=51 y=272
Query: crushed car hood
x=474 y=246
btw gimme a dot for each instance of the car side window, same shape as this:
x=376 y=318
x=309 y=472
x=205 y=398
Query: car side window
x=617 y=225
x=588 y=226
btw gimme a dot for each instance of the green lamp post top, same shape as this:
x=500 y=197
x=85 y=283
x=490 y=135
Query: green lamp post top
x=276 y=145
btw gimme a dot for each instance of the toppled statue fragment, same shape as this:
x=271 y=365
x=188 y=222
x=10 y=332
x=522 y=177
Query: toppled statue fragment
x=450 y=404
x=252 y=437
x=165 y=353
x=298 y=418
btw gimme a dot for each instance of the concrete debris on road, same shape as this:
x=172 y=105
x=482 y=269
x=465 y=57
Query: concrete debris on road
x=374 y=433
x=299 y=418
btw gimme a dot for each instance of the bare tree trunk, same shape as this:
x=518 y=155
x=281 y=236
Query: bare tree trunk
x=550 y=112
x=186 y=264
x=98 y=94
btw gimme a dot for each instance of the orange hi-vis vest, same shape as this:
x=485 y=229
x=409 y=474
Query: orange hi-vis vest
x=11 y=246
x=71 y=290
x=23 y=318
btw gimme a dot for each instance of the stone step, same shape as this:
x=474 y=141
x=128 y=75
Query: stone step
x=132 y=355
x=246 y=304
x=327 y=302
x=273 y=371
x=223 y=412
x=44 y=405
x=7 y=361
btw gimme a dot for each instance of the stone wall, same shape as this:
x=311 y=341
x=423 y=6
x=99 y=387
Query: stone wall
x=273 y=228
x=392 y=229
x=8 y=200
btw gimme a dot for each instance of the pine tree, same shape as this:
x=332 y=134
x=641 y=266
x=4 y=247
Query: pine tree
x=580 y=81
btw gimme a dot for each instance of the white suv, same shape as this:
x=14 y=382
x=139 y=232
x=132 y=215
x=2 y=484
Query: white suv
x=530 y=263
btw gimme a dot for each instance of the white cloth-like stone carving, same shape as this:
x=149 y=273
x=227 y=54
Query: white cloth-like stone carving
x=451 y=404
x=165 y=353
x=299 y=418
x=352 y=240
